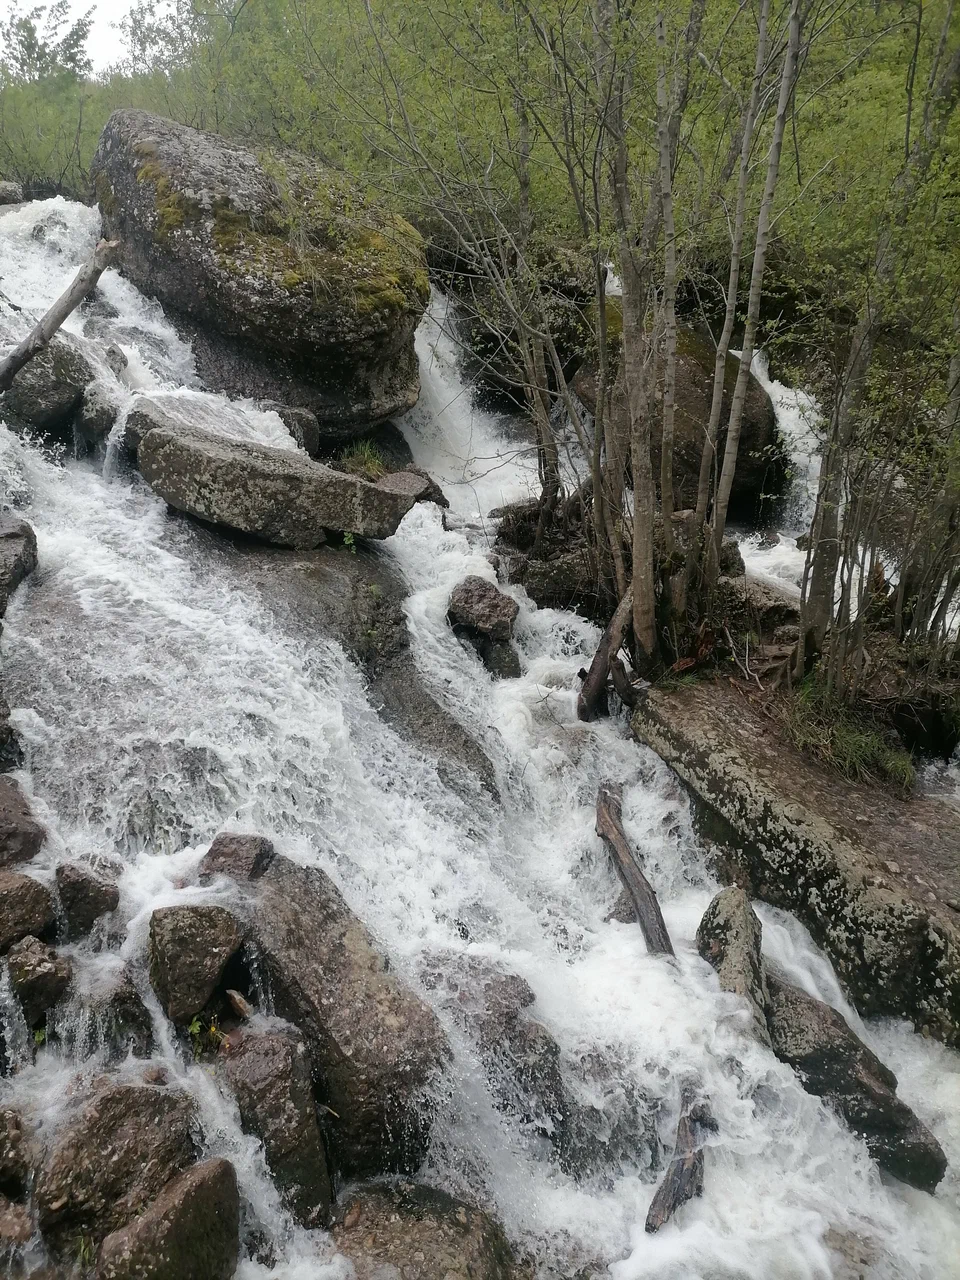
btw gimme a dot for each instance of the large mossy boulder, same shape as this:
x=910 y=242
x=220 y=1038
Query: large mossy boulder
x=295 y=286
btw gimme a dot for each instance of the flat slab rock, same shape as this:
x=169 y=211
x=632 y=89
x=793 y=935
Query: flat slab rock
x=868 y=872
x=277 y=494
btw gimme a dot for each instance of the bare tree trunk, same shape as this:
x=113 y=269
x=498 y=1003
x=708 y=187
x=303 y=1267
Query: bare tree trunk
x=684 y=1177
x=787 y=81
x=610 y=828
x=595 y=682
x=669 y=289
x=39 y=336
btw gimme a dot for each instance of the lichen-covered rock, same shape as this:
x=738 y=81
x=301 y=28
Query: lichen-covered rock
x=374 y=1046
x=269 y=1073
x=834 y=1064
x=278 y=494
x=21 y=835
x=480 y=604
x=420 y=1233
x=241 y=857
x=38 y=975
x=190 y=1232
x=18 y=555
x=189 y=950
x=84 y=898
x=729 y=938
x=48 y=391
x=110 y=1162
x=25 y=907
x=301 y=289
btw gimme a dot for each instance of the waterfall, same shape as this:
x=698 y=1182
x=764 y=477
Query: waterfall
x=161 y=698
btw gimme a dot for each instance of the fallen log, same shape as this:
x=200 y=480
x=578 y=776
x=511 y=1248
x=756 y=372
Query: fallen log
x=591 y=697
x=39 y=336
x=684 y=1177
x=610 y=829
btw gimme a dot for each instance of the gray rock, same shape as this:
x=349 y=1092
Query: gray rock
x=324 y=318
x=729 y=937
x=277 y=494
x=189 y=950
x=731 y=559
x=84 y=898
x=749 y=605
x=97 y=413
x=21 y=835
x=105 y=1015
x=269 y=1073
x=301 y=423
x=374 y=1046
x=420 y=1233
x=479 y=604
x=111 y=1161
x=39 y=977
x=11 y=757
x=238 y=856
x=18 y=555
x=17 y=1154
x=569 y=580
x=11 y=193
x=834 y=1064
x=25 y=908
x=145 y=415
x=190 y=1232
x=47 y=391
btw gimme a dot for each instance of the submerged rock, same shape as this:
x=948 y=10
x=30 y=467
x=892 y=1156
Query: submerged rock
x=729 y=938
x=109 y=1163
x=18 y=555
x=21 y=835
x=190 y=947
x=374 y=1046
x=270 y=1075
x=84 y=898
x=105 y=1015
x=48 y=390
x=190 y=1232
x=277 y=494
x=420 y=1233
x=834 y=1064
x=39 y=977
x=25 y=907
x=300 y=289
x=242 y=857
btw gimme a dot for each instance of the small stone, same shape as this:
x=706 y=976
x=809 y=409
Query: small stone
x=893 y=867
x=479 y=604
x=240 y=1005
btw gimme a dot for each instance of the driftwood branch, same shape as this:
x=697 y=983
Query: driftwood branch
x=86 y=278
x=684 y=1177
x=591 y=697
x=610 y=828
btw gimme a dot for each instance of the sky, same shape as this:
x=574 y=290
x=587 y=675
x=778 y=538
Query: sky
x=105 y=45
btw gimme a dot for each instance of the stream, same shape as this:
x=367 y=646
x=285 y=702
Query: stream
x=159 y=700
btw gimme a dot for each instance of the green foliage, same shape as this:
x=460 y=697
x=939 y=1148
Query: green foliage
x=846 y=739
x=363 y=459
x=204 y=1037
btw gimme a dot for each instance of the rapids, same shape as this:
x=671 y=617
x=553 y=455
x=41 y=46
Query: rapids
x=160 y=700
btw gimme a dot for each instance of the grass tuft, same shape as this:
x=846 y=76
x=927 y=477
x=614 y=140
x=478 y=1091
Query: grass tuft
x=363 y=459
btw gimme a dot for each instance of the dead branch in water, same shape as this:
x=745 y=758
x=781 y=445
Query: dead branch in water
x=684 y=1177
x=610 y=828
x=595 y=681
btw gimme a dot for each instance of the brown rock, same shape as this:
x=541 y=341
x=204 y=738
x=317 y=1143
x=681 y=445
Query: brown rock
x=25 y=907
x=190 y=1232
x=115 y=1020
x=729 y=938
x=421 y=1234
x=111 y=1161
x=477 y=603
x=373 y=1044
x=239 y=856
x=270 y=1076
x=15 y=1225
x=84 y=898
x=834 y=1064
x=21 y=835
x=189 y=950
x=39 y=977
x=17 y=1156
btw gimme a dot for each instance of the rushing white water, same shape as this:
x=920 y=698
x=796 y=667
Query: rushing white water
x=159 y=700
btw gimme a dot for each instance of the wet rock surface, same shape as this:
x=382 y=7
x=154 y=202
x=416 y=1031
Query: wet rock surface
x=190 y=1232
x=269 y=1073
x=301 y=423
x=277 y=494
x=242 y=857
x=48 y=391
x=25 y=908
x=109 y=1163
x=39 y=977
x=475 y=602
x=206 y=229
x=21 y=835
x=18 y=555
x=17 y=1153
x=374 y=1046
x=189 y=950
x=834 y=1063
x=730 y=939
x=107 y=1016
x=421 y=1234
x=84 y=898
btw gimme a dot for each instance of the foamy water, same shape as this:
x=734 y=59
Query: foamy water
x=159 y=699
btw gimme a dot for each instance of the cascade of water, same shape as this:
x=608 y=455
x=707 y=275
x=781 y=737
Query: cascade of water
x=160 y=700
